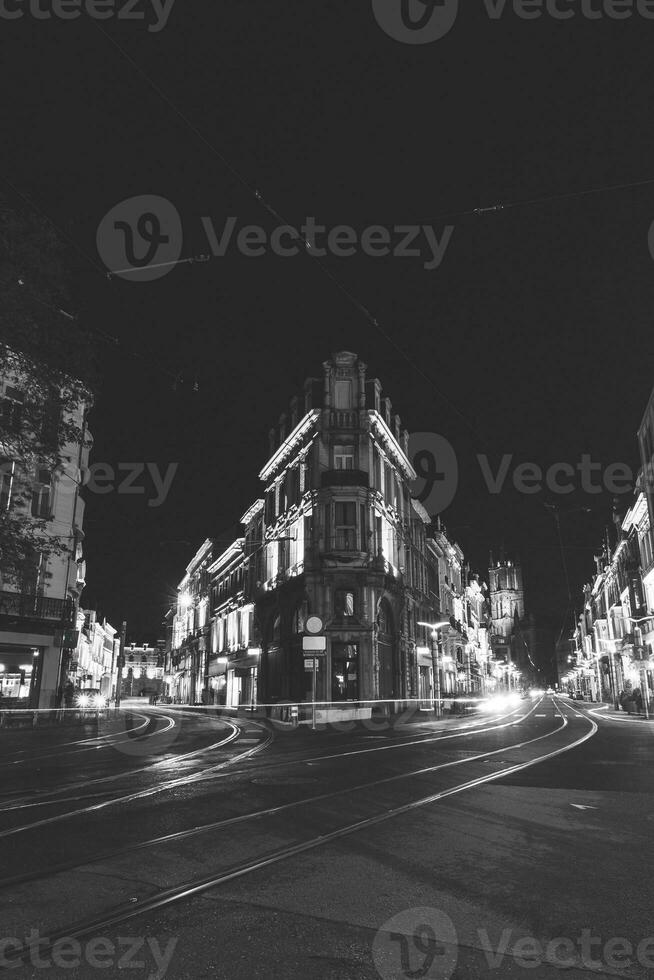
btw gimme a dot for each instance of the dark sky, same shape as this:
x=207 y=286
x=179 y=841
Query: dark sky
x=532 y=338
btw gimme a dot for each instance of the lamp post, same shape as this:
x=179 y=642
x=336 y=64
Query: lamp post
x=435 y=653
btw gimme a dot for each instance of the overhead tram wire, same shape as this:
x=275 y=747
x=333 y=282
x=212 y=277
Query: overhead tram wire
x=352 y=298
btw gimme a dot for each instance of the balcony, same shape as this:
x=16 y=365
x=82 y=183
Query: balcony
x=16 y=605
x=344 y=478
x=344 y=419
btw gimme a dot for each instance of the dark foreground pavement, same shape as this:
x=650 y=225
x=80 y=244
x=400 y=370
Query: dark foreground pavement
x=438 y=851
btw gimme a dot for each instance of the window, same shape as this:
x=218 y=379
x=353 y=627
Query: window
x=343 y=457
x=384 y=619
x=345 y=672
x=11 y=408
x=343 y=394
x=6 y=480
x=344 y=604
x=345 y=526
x=41 y=495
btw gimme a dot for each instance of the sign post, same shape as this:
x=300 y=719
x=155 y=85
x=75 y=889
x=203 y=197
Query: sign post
x=316 y=645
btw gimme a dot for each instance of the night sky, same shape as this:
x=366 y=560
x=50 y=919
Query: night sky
x=532 y=338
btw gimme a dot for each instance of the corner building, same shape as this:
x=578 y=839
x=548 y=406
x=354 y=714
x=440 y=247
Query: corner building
x=336 y=534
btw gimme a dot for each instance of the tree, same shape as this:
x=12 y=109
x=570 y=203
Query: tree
x=47 y=366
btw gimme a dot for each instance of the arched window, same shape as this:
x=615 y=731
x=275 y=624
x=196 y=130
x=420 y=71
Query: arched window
x=384 y=618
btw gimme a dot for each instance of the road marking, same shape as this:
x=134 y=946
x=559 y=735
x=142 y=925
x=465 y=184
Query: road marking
x=540 y=716
x=580 y=806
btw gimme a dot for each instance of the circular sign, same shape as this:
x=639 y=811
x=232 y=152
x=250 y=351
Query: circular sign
x=313 y=624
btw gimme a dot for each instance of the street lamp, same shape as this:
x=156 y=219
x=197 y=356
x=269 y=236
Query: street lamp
x=435 y=653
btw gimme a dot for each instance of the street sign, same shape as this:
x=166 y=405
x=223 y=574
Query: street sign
x=314 y=625
x=310 y=663
x=314 y=644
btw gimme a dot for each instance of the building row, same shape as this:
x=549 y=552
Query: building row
x=51 y=649
x=610 y=655
x=39 y=599
x=336 y=543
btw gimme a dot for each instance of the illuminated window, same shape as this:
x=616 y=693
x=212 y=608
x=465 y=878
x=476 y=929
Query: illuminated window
x=344 y=604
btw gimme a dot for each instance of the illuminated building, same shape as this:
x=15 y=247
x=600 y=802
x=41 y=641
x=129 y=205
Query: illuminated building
x=337 y=535
x=38 y=609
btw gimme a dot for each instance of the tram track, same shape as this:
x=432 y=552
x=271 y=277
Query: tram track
x=48 y=797
x=268 y=811
x=142 y=793
x=186 y=890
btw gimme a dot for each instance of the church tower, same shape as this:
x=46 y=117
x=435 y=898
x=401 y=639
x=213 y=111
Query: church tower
x=507 y=596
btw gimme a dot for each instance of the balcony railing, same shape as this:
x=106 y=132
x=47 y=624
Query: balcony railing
x=345 y=539
x=344 y=419
x=344 y=478
x=18 y=605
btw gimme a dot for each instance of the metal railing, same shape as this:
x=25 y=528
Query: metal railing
x=17 y=604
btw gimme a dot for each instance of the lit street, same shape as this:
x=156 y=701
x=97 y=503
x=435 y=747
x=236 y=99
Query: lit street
x=214 y=832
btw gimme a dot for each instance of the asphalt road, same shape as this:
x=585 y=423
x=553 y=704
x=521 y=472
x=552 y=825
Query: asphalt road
x=171 y=842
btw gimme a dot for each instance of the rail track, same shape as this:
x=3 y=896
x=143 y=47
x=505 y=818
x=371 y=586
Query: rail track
x=366 y=796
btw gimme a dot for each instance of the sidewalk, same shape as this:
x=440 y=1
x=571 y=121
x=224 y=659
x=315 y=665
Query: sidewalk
x=612 y=713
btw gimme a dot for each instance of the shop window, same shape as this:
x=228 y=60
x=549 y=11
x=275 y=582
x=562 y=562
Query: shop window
x=345 y=672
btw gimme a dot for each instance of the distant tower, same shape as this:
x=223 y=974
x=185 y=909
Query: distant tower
x=507 y=595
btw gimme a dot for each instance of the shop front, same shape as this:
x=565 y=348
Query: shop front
x=242 y=674
x=217 y=688
x=425 y=677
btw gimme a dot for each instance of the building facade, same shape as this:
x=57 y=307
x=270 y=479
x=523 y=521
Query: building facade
x=335 y=535
x=38 y=608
